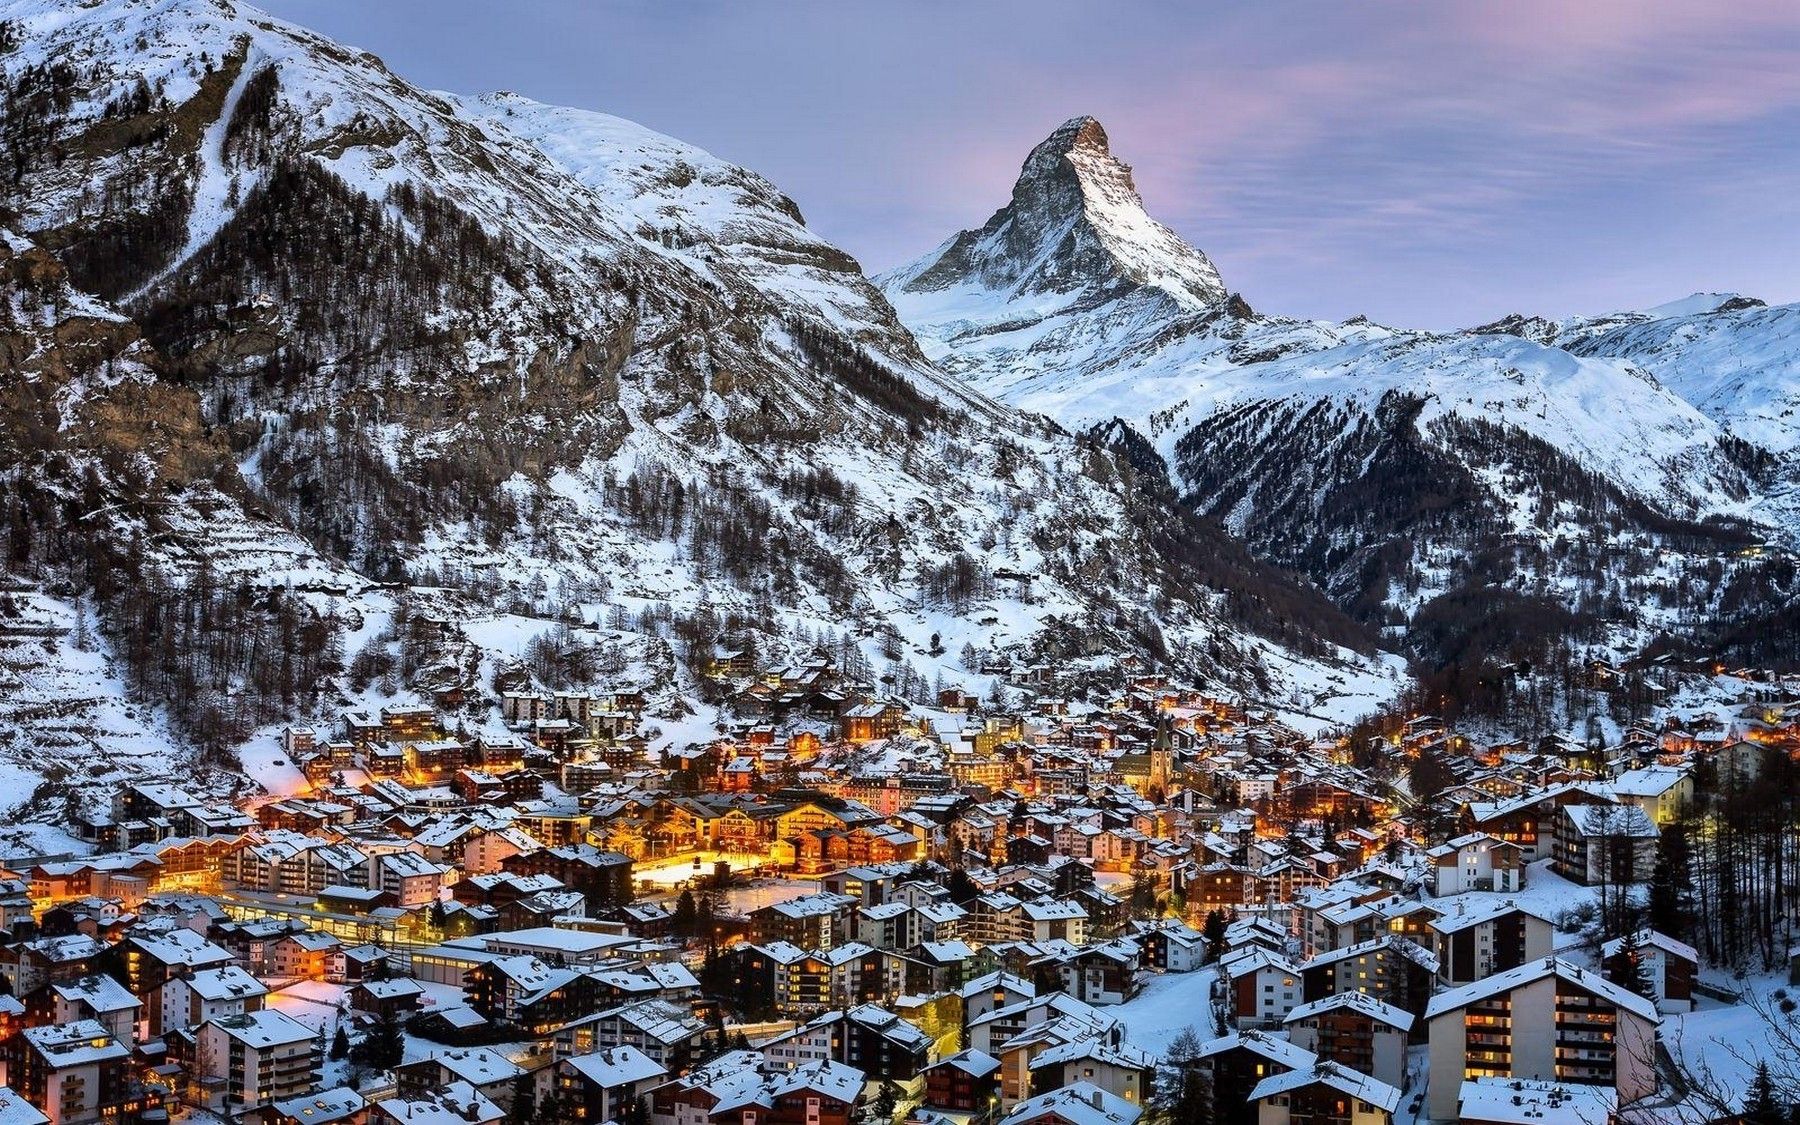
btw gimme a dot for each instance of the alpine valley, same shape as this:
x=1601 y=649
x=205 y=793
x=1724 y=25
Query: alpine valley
x=322 y=391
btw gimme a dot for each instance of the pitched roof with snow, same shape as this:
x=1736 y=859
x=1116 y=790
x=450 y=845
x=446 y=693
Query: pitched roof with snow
x=1360 y=1002
x=1354 y=1083
x=1079 y=1103
x=615 y=1066
x=1656 y=940
x=1456 y=999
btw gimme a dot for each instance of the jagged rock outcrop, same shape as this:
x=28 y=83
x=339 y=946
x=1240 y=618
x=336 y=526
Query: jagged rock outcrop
x=1075 y=226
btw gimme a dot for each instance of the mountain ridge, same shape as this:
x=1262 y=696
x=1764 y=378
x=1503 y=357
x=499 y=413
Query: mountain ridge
x=477 y=351
x=1501 y=444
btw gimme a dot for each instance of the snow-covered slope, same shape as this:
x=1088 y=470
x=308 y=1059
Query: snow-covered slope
x=551 y=359
x=1732 y=357
x=722 y=221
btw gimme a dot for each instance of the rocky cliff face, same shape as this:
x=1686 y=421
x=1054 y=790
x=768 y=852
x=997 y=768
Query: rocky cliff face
x=1071 y=275
x=1075 y=228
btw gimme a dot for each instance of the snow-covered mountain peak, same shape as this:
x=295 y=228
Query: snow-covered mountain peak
x=1074 y=232
x=1695 y=304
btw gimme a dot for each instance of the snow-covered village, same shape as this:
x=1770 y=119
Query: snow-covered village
x=509 y=616
x=1146 y=903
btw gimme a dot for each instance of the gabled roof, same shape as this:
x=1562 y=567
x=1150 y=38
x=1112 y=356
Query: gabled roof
x=1096 y=1049
x=971 y=1061
x=1360 y=1002
x=1354 y=1083
x=1410 y=950
x=478 y=1066
x=615 y=1066
x=1080 y=1103
x=1588 y=981
x=1001 y=979
x=264 y=1029
x=821 y=1076
x=1653 y=939
x=1279 y=1051
x=1652 y=781
x=1475 y=909
x=1611 y=820
x=226 y=982
x=99 y=993
x=1255 y=958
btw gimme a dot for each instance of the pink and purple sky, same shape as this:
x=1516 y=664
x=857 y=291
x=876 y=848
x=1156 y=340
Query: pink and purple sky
x=1434 y=165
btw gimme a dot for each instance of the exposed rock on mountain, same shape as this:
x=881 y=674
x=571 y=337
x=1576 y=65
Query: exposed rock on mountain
x=1614 y=474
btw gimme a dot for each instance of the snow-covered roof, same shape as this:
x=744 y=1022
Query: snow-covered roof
x=456 y=1103
x=973 y=1061
x=1657 y=940
x=1341 y=1078
x=1456 y=999
x=1361 y=1002
x=100 y=993
x=1611 y=820
x=478 y=1066
x=324 y=1106
x=15 y=1110
x=615 y=1066
x=225 y=982
x=1527 y=1101
x=1652 y=781
x=1080 y=1103
x=822 y=1076
x=1276 y=1049
x=76 y=1043
x=1474 y=909
x=264 y=1029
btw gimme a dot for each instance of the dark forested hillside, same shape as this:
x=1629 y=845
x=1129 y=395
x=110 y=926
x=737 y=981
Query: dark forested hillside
x=341 y=335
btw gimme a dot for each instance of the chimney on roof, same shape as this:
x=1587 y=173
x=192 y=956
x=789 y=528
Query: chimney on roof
x=1099 y=1098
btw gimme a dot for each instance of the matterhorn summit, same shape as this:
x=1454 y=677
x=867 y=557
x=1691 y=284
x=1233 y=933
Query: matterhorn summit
x=1073 y=262
x=1075 y=228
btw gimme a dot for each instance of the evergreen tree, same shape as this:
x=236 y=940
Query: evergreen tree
x=550 y=1110
x=886 y=1102
x=383 y=1047
x=1184 y=1049
x=1628 y=969
x=340 y=1044
x=524 y=1109
x=1762 y=1106
x=1142 y=895
x=1668 y=904
x=686 y=914
x=962 y=887
x=1194 y=1104
x=1214 y=932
